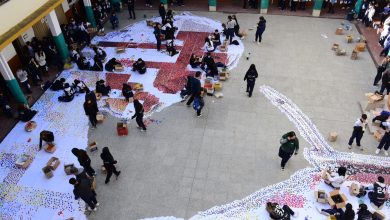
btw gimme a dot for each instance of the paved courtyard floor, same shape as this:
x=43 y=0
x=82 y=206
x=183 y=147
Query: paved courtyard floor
x=187 y=164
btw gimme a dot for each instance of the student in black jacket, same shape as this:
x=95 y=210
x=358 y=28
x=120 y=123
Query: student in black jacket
x=363 y=213
x=378 y=195
x=102 y=88
x=25 y=114
x=91 y=111
x=109 y=164
x=98 y=65
x=250 y=78
x=130 y=7
x=139 y=114
x=385 y=82
x=195 y=88
x=84 y=161
x=82 y=189
x=68 y=94
x=99 y=53
x=4 y=105
x=127 y=91
x=260 y=29
x=140 y=66
x=194 y=61
x=110 y=65
x=157 y=34
x=162 y=12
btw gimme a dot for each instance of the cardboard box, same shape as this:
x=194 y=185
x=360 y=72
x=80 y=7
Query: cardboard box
x=380 y=215
x=354 y=189
x=320 y=196
x=119 y=68
x=378 y=134
x=223 y=76
x=336 y=198
x=122 y=129
x=339 y=31
x=354 y=55
x=23 y=161
x=373 y=97
x=331 y=217
x=210 y=91
x=30 y=126
x=93 y=146
x=332 y=136
x=53 y=163
x=341 y=52
x=103 y=169
x=50 y=148
x=335 y=47
x=68 y=168
x=349 y=38
x=48 y=172
x=121 y=49
x=218 y=86
x=360 y=47
x=138 y=87
x=98 y=96
x=99 y=117
x=223 y=48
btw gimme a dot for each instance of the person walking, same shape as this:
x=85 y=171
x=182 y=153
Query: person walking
x=385 y=82
x=358 y=131
x=381 y=69
x=23 y=78
x=250 y=78
x=109 y=164
x=139 y=114
x=130 y=7
x=84 y=161
x=162 y=12
x=260 y=29
x=157 y=34
x=195 y=87
x=385 y=141
x=83 y=189
x=289 y=146
x=91 y=111
x=230 y=28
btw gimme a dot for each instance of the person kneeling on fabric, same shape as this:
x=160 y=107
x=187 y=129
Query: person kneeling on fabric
x=58 y=85
x=363 y=213
x=208 y=45
x=68 y=94
x=278 y=212
x=83 y=63
x=139 y=66
x=384 y=115
x=98 y=65
x=339 y=213
x=379 y=194
x=335 y=180
x=127 y=92
x=102 y=88
x=216 y=38
x=25 y=114
x=171 y=49
x=207 y=61
x=78 y=86
x=110 y=65
x=194 y=61
x=100 y=53
x=212 y=70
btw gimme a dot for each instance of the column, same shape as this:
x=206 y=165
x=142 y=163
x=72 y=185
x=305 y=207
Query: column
x=12 y=83
x=165 y=2
x=89 y=12
x=358 y=6
x=264 y=6
x=317 y=8
x=212 y=5
x=58 y=37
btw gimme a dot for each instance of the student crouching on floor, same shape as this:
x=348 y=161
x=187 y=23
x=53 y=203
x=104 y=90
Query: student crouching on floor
x=68 y=94
x=278 y=212
x=139 y=66
x=336 y=179
x=102 y=88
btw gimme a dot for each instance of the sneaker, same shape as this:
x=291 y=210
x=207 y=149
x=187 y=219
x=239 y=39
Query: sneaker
x=349 y=146
x=97 y=204
x=387 y=154
x=89 y=209
x=199 y=116
x=282 y=168
x=377 y=151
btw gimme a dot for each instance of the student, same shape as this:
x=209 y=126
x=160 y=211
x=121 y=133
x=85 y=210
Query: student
x=278 y=212
x=250 y=78
x=139 y=66
x=91 y=111
x=363 y=213
x=98 y=65
x=195 y=87
x=58 y=85
x=378 y=194
x=83 y=63
x=216 y=38
x=84 y=161
x=139 y=114
x=349 y=213
x=109 y=164
x=114 y=21
x=289 y=146
x=260 y=29
x=358 y=131
x=335 y=180
x=102 y=88
x=384 y=115
x=381 y=69
x=385 y=82
x=83 y=189
x=90 y=95
x=130 y=7
x=33 y=69
x=25 y=114
x=110 y=65
x=40 y=57
x=212 y=70
x=169 y=17
x=157 y=34
x=230 y=28
x=187 y=89
x=171 y=48
x=99 y=53
x=162 y=12
x=207 y=61
x=5 y=107
x=237 y=28
x=208 y=45
x=194 y=61
x=127 y=92
x=78 y=86
x=68 y=94
x=385 y=141
x=23 y=78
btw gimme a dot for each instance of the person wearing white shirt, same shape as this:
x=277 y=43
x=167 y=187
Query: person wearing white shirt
x=208 y=45
x=40 y=57
x=230 y=28
x=23 y=78
x=335 y=180
x=385 y=141
x=358 y=131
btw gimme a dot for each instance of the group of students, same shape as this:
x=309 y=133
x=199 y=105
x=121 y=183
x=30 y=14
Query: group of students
x=84 y=64
x=166 y=31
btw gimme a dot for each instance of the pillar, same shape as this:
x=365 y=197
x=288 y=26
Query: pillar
x=212 y=5
x=317 y=8
x=165 y=2
x=58 y=37
x=264 y=6
x=89 y=12
x=12 y=83
x=358 y=6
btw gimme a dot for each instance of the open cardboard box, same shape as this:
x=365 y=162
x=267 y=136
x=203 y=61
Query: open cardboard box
x=68 y=168
x=92 y=146
x=320 y=196
x=100 y=117
x=53 y=163
x=380 y=215
x=336 y=198
x=48 y=172
x=23 y=161
x=354 y=189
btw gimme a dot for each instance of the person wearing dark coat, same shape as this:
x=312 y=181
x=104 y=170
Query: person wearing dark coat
x=114 y=21
x=99 y=53
x=385 y=82
x=208 y=60
x=84 y=161
x=130 y=7
x=5 y=107
x=91 y=111
x=102 y=88
x=83 y=63
x=58 y=85
x=33 y=70
x=363 y=213
x=83 y=189
x=162 y=12
x=380 y=70
x=216 y=38
x=289 y=146
x=25 y=114
x=212 y=70
x=98 y=65
x=68 y=94
x=139 y=66
x=260 y=29
x=139 y=114
x=127 y=92
x=109 y=164
x=196 y=88
x=171 y=48
x=90 y=95
x=194 y=61
x=378 y=194
x=157 y=34
x=250 y=78
x=169 y=18
x=110 y=65
x=187 y=89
